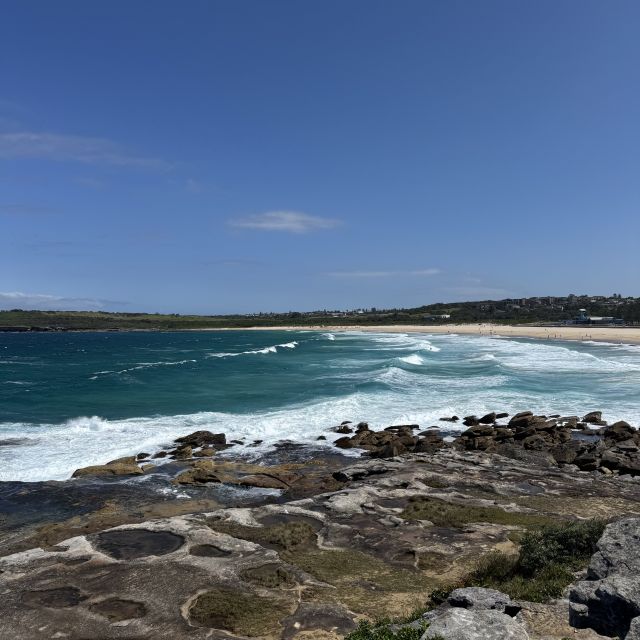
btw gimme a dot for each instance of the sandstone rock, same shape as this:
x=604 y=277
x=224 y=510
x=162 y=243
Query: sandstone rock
x=112 y=469
x=202 y=438
x=201 y=472
x=263 y=481
x=479 y=598
x=471 y=624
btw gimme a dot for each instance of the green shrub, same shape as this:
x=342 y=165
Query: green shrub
x=544 y=567
x=570 y=544
x=381 y=631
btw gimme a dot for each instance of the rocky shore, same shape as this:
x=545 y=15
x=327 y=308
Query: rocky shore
x=308 y=543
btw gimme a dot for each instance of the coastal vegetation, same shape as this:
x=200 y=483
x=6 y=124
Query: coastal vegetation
x=547 y=309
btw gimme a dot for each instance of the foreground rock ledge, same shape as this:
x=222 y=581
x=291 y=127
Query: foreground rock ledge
x=309 y=567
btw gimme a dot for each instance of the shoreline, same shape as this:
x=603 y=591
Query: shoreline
x=614 y=335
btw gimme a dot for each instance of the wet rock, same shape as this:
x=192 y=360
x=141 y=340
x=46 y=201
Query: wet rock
x=343 y=428
x=489 y=418
x=160 y=454
x=142 y=456
x=129 y=544
x=117 y=610
x=451 y=419
x=593 y=417
x=201 y=472
x=114 y=468
x=203 y=438
x=263 y=481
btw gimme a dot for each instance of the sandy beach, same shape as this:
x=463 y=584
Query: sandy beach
x=621 y=335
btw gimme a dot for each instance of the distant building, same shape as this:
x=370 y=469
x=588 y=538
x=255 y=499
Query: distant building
x=585 y=319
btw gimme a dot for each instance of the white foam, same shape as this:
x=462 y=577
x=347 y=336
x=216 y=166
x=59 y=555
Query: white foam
x=414 y=358
x=272 y=349
x=140 y=365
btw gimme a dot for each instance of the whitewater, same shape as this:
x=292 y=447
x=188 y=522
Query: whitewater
x=75 y=399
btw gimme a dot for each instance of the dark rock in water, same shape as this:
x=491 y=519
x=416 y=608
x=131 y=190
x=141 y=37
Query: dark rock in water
x=129 y=544
x=321 y=438
x=160 y=454
x=344 y=443
x=593 y=417
x=489 y=418
x=362 y=426
x=470 y=421
x=402 y=427
x=609 y=599
x=345 y=422
x=202 y=438
x=183 y=453
x=451 y=419
x=142 y=456
x=343 y=428
x=499 y=416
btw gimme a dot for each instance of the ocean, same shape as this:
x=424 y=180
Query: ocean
x=74 y=399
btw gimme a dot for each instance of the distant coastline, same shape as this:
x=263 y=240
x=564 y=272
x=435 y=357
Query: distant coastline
x=621 y=335
x=610 y=334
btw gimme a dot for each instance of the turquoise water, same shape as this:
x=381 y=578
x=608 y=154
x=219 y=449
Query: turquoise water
x=72 y=399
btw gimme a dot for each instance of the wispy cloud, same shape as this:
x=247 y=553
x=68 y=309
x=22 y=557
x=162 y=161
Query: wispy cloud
x=46 y=302
x=384 y=274
x=65 y=148
x=287 y=221
x=17 y=209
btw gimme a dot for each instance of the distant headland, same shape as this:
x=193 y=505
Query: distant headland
x=573 y=316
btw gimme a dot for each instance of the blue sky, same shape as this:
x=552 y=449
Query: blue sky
x=233 y=155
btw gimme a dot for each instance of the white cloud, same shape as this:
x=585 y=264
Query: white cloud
x=45 y=302
x=287 y=221
x=53 y=146
x=384 y=274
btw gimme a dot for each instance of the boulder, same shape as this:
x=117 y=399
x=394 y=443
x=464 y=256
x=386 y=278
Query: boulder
x=201 y=472
x=114 y=468
x=609 y=599
x=202 y=438
x=472 y=624
x=479 y=598
x=593 y=417
x=343 y=428
x=489 y=418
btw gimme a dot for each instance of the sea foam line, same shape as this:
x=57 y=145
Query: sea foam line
x=272 y=349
